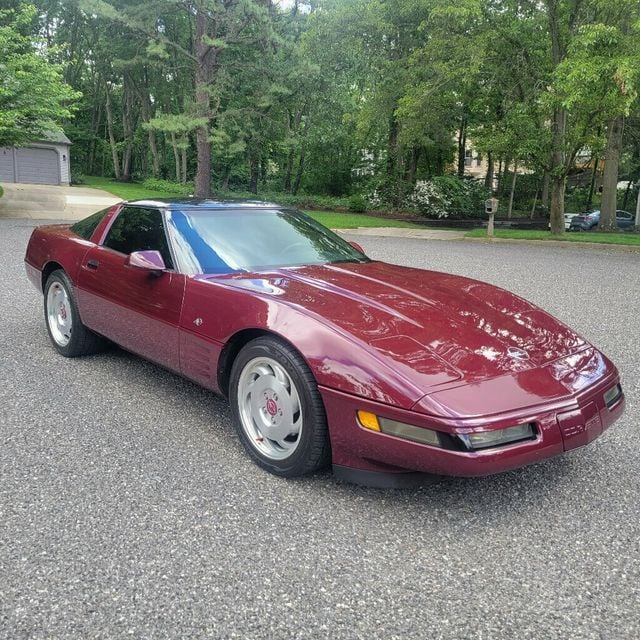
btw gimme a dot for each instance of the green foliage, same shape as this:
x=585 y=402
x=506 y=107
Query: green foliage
x=1 y=191
x=168 y=186
x=577 y=200
x=33 y=96
x=127 y=190
x=77 y=177
x=355 y=220
x=300 y=201
x=448 y=196
x=343 y=97
x=357 y=204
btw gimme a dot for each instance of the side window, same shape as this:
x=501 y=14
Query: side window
x=138 y=229
x=85 y=228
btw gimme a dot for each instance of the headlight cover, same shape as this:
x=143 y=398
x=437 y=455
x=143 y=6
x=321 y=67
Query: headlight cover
x=497 y=437
x=460 y=442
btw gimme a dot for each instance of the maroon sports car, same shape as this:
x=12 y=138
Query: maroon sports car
x=324 y=354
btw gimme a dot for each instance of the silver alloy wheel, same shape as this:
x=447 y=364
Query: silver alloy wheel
x=270 y=408
x=59 y=314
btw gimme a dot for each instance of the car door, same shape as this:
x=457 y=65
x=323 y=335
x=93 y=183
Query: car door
x=136 y=308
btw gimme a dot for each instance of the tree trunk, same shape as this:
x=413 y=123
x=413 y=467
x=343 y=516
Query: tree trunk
x=299 y=172
x=535 y=202
x=558 y=184
x=183 y=155
x=592 y=186
x=205 y=69
x=254 y=167
x=225 y=180
x=176 y=156
x=544 y=197
x=95 y=133
x=558 y=154
x=288 y=171
x=505 y=173
x=393 y=157
x=488 y=179
x=559 y=179
x=627 y=193
x=462 y=146
x=112 y=139
x=151 y=136
x=412 y=165
x=128 y=128
x=608 y=207
x=513 y=188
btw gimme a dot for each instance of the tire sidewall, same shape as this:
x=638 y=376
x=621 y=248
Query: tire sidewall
x=312 y=419
x=61 y=278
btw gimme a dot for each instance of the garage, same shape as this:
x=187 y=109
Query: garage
x=41 y=162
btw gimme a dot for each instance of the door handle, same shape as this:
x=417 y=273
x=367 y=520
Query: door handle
x=93 y=264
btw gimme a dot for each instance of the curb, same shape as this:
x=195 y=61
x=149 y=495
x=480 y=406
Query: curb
x=557 y=243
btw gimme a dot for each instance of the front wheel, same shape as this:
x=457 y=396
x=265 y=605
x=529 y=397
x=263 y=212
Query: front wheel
x=68 y=335
x=278 y=411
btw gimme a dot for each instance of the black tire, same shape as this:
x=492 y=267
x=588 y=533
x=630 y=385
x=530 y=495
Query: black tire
x=79 y=341
x=312 y=449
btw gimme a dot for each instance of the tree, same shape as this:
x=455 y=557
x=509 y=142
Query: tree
x=601 y=73
x=33 y=96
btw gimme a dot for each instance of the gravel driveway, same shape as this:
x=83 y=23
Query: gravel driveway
x=128 y=508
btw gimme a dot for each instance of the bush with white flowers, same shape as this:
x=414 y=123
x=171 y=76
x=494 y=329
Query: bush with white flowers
x=447 y=196
x=429 y=199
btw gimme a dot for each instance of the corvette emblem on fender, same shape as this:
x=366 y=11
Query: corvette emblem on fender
x=517 y=354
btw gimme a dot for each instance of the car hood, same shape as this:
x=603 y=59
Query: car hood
x=434 y=328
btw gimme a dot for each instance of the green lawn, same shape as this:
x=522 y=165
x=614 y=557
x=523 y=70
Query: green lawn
x=585 y=236
x=332 y=219
x=126 y=190
x=335 y=220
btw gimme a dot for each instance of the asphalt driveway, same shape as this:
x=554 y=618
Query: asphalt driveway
x=128 y=508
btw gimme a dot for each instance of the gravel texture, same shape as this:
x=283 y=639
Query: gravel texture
x=128 y=508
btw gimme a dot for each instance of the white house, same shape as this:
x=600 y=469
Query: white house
x=40 y=162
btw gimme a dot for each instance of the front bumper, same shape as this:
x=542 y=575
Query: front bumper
x=560 y=427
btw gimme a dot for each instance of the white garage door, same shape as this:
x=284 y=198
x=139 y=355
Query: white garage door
x=38 y=166
x=6 y=165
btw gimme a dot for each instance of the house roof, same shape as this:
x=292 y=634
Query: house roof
x=55 y=136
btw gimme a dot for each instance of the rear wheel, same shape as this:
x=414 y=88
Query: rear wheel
x=278 y=411
x=68 y=335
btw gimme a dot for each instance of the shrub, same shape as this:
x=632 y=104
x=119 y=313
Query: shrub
x=302 y=201
x=357 y=204
x=448 y=196
x=168 y=186
x=429 y=200
x=1 y=192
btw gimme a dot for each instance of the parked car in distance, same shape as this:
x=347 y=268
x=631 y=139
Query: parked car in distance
x=326 y=356
x=568 y=217
x=589 y=221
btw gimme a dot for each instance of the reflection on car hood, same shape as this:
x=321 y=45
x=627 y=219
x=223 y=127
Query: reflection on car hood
x=436 y=327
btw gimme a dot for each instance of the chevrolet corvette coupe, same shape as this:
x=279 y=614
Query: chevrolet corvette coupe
x=325 y=355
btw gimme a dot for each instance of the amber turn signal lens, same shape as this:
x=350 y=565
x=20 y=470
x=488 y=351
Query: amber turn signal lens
x=368 y=420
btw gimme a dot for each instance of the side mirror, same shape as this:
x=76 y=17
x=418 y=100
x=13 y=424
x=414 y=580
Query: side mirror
x=357 y=247
x=149 y=260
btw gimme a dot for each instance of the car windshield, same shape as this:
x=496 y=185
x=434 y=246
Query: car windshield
x=214 y=241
